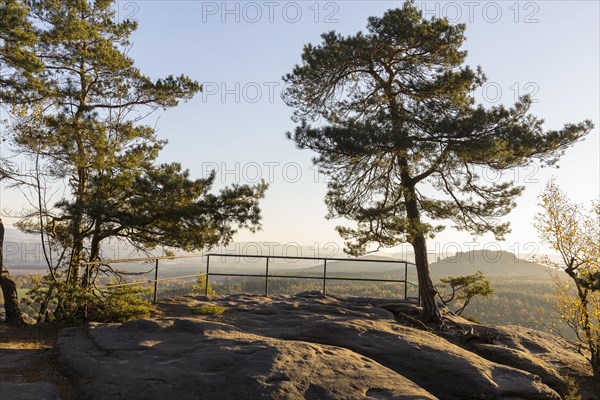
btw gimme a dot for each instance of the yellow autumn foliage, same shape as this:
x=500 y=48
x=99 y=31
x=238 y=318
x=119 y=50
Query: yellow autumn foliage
x=573 y=231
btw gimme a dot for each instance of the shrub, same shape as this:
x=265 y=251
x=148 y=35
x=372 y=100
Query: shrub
x=464 y=288
x=67 y=304
x=209 y=309
x=201 y=286
x=120 y=304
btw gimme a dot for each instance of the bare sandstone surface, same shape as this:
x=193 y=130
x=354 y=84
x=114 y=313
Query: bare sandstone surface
x=308 y=347
x=191 y=359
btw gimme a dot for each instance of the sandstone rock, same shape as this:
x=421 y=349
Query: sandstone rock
x=194 y=359
x=548 y=356
x=311 y=347
x=28 y=391
x=15 y=386
x=437 y=365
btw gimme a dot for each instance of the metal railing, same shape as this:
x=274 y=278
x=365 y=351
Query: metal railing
x=324 y=277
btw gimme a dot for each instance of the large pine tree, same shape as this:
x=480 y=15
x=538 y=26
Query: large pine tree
x=396 y=113
x=87 y=133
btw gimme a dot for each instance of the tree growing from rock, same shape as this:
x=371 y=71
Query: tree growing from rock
x=86 y=138
x=396 y=115
x=574 y=232
x=463 y=288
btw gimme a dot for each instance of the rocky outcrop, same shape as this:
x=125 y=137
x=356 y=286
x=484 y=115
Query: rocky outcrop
x=548 y=356
x=184 y=358
x=307 y=347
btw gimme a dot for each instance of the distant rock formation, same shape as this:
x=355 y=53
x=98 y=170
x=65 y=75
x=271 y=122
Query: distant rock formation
x=307 y=347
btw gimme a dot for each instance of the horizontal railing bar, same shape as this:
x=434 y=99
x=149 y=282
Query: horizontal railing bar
x=247 y=256
x=125 y=284
x=335 y=278
x=172 y=278
x=139 y=259
x=244 y=275
x=332 y=278
x=313 y=258
x=149 y=281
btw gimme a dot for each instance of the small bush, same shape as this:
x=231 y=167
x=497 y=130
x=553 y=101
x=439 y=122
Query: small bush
x=201 y=286
x=72 y=305
x=121 y=304
x=209 y=309
x=463 y=289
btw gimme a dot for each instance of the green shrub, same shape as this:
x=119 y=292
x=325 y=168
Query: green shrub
x=201 y=286
x=120 y=304
x=209 y=309
x=68 y=304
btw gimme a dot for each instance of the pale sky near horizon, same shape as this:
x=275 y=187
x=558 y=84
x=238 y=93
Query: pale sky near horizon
x=240 y=50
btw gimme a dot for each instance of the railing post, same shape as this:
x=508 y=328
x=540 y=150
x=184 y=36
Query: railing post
x=207 y=275
x=324 y=277
x=155 y=296
x=267 y=278
x=405 y=280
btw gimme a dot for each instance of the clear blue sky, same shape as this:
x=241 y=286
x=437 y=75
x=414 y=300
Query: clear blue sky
x=240 y=50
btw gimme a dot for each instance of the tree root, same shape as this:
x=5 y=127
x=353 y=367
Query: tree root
x=412 y=321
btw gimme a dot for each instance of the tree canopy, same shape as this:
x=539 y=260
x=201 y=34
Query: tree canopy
x=19 y=62
x=86 y=135
x=395 y=112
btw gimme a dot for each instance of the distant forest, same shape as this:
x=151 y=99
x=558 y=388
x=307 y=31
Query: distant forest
x=521 y=289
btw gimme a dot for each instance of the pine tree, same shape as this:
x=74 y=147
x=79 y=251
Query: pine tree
x=397 y=113
x=87 y=133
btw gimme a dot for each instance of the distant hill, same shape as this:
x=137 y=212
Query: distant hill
x=352 y=266
x=23 y=255
x=494 y=264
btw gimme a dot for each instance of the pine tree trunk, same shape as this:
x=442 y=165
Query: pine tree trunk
x=427 y=292
x=9 y=289
x=76 y=228
x=94 y=255
x=75 y=261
